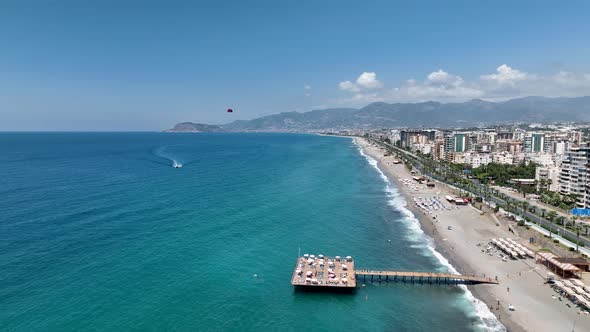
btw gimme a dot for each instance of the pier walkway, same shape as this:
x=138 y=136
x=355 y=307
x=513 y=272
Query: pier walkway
x=422 y=277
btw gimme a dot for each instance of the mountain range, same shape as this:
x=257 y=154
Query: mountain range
x=472 y=113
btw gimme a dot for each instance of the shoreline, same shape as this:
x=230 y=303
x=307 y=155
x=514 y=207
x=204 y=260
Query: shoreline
x=521 y=281
x=438 y=247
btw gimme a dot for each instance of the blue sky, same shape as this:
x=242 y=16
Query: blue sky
x=145 y=65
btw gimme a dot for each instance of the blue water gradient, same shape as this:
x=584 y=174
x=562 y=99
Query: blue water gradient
x=99 y=232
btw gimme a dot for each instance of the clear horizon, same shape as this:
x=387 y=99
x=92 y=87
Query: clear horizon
x=145 y=66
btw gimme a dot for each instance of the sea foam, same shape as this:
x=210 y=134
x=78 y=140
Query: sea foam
x=488 y=321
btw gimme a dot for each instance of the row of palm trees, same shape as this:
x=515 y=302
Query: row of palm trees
x=551 y=216
x=446 y=173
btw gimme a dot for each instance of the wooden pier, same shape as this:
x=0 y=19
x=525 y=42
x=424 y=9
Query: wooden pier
x=429 y=277
x=337 y=272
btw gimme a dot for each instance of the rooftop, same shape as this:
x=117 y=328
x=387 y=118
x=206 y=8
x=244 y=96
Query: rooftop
x=572 y=260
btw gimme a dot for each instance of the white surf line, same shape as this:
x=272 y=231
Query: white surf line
x=488 y=320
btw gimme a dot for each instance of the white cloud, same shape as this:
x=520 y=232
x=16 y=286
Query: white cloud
x=348 y=86
x=439 y=76
x=505 y=74
x=368 y=80
x=439 y=85
x=306 y=87
x=442 y=77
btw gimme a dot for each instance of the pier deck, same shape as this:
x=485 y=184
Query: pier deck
x=324 y=271
x=422 y=276
x=320 y=271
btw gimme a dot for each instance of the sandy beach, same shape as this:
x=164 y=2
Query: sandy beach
x=462 y=233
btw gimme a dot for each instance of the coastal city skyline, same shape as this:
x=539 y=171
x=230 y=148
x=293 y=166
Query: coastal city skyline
x=113 y=66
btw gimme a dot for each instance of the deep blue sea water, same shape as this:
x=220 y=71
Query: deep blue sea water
x=99 y=233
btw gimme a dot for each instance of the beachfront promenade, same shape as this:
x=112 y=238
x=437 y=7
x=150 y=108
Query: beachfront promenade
x=422 y=277
x=480 y=189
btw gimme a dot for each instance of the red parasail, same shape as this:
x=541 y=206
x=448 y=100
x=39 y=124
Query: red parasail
x=229 y=110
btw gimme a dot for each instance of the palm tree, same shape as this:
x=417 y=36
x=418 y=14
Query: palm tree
x=541 y=185
x=525 y=205
x=578 y=229
x=508 y=205
x=561 y=220
x=552 y=214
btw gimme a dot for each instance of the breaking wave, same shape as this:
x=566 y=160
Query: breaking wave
x=417 y=235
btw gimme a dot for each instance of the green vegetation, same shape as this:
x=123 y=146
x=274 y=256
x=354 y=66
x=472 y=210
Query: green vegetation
x=566 y=202
x=502 y=174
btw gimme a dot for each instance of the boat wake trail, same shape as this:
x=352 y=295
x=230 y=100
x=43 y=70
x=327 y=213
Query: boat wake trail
x=167 y=152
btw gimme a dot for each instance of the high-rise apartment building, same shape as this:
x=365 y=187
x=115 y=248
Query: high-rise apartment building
x=534 y=143
x=574 y=177
x=460 y=143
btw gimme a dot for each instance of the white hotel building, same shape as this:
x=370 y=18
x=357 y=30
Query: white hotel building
x=574 y=178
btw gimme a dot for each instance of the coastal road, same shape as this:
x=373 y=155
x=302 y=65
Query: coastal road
x=534 y=203
x=483 y=191
x=563 y=241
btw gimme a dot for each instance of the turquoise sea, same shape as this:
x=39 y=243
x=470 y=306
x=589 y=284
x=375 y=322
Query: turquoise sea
x=98 y=232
